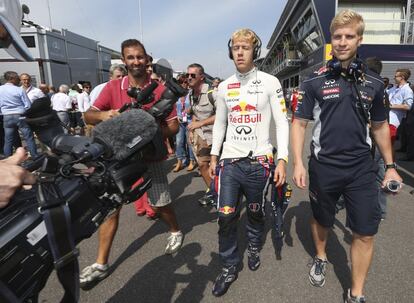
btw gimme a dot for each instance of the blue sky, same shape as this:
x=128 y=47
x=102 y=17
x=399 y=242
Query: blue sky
x=181 y=31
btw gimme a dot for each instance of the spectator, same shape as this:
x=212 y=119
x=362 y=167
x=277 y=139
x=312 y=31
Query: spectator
x=13 y=104
x=116 y=71
x=45 y=89
x=183 y=151
x=215 y=83
x=62 y=104
x=401 y=100
x=32 y=92
x=52 y=91
x=201 y=126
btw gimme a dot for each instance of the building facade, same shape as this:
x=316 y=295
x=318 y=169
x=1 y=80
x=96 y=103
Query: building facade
x=61 y=57
x=300 y=43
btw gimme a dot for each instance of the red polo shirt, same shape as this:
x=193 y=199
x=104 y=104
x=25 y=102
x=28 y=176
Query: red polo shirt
x=114 y=96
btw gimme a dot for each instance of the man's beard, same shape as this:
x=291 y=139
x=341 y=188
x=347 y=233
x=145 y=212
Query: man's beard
x=137 y=72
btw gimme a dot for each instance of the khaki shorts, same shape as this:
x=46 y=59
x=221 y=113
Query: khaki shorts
x=201 y=149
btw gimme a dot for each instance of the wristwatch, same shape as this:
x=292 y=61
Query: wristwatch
x=392 y=165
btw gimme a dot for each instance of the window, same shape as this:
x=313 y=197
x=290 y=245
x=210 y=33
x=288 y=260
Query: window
x=29 y=40
x=384 y=22
x=306 y=34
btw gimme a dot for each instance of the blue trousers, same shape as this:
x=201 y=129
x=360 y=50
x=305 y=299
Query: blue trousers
x=248 y=178
x=182 y=150
x=10 y=124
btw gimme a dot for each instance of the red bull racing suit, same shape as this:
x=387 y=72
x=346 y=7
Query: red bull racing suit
x=245 y=106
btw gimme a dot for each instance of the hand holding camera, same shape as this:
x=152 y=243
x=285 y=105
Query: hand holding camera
x=392 y=186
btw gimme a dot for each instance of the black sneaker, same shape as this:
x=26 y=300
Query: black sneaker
x=317 y=272
x=227 y=276
x=253 y=258
x=206 y=200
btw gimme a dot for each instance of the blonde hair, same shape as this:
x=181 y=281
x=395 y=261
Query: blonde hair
x=245 y=34
x=347 y=17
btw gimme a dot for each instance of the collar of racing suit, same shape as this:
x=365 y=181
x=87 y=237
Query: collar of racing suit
x=246 y=75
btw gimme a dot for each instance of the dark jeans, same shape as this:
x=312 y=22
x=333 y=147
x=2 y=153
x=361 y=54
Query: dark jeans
x=10 y=124
x=239 y=178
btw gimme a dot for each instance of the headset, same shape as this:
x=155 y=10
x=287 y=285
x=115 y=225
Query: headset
x=257 y=47
x=355 y=69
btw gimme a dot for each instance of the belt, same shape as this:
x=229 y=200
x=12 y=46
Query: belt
x=257 y=159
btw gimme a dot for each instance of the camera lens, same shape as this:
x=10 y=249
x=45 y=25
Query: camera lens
x=393 y=186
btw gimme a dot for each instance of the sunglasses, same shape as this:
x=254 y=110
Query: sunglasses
x=193 y=76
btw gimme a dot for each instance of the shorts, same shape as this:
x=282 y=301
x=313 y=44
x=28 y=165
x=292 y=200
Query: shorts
x=201 y=149
x=76 y=119
x=159 y=193
x=356 y=184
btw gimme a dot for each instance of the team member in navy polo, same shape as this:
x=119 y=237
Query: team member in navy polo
x=340 y=162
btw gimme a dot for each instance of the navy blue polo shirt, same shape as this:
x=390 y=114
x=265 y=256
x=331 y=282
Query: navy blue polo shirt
x=340 y=135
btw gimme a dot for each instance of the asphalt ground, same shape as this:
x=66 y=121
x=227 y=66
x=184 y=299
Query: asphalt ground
x=140 y=272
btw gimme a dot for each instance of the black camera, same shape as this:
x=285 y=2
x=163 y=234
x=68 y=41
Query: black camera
x=392 y=186
x=88 y=178
x=163 y=107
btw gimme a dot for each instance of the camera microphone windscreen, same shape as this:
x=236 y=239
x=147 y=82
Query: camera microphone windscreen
x=126 y=133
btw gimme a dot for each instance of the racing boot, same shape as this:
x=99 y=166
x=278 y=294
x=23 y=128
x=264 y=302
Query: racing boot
x=227 y=276
x=253 y=257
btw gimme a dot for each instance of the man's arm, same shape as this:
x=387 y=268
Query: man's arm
x=404 y=107
x=381 y=133
x=278 y=107
x=197 y=124
x=94 y=116
x=219 y=129
x=297 y=140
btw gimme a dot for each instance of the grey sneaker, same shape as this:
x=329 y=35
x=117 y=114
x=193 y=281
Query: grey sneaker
x=174 y=243
x=352 y=299
x=92 y=274
x=317 y=272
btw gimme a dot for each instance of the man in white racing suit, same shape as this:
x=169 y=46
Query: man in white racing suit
x=246 y=103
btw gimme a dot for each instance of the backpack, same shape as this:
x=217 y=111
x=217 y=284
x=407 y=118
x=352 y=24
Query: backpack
x=211 y=99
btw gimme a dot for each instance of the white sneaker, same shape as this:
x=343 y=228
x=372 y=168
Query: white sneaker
x=93 y=273
x=174 y=242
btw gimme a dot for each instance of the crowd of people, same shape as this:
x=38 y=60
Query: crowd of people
x=225 y=131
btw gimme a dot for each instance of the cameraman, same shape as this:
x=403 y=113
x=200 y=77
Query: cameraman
x=12 y=176
x=106 y=106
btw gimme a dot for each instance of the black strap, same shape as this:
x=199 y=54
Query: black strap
x=57 y=219
x=6 y=295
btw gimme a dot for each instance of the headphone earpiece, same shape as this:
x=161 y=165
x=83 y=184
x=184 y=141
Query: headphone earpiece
x=354 y=70
x=256 y=51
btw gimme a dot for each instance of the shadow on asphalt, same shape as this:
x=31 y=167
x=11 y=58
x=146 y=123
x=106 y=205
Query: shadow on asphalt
x=158 y=280
x=337 y=256
x=189 y=214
